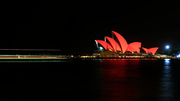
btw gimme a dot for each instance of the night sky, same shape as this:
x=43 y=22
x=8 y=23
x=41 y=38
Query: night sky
x=72 y=26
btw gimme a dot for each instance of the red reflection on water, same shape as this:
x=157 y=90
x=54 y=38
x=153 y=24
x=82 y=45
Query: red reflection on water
x=119 y=79
x=122 y=59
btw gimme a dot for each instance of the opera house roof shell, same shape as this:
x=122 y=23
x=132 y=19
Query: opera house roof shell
x=122 y=45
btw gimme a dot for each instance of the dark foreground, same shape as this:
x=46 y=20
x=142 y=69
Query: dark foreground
x=91 y=80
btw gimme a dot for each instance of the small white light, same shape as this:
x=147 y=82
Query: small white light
x=167 y=46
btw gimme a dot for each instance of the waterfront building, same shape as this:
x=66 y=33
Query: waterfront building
x=120 y=47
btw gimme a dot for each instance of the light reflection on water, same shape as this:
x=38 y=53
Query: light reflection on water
x=119 y=80
x=34 y=61
x=167 y=82
x=129 y=80
x=167 y=62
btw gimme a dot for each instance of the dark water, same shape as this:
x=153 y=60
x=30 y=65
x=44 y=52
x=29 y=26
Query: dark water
x=91 y=80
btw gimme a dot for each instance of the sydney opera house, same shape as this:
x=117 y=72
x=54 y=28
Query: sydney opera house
x=119 y=46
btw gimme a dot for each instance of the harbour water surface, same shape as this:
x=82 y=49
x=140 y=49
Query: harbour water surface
x=91 y=80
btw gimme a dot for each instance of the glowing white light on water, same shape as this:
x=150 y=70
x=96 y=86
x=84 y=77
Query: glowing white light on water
x=167 y=59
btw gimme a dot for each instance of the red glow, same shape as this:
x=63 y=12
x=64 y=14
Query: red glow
x=124 y=59
x=145 y=49
x=105 y=44
x=117 y=84
x=122 y=41
x=130 y=48
x=114 y=44
x=135 y=46
x=151 y=50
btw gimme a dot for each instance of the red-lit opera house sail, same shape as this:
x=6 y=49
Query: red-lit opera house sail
x=104 y=44
x=145 y=49
x=153 y=50
x=130 y=49
x=122 y=41
x=114 y=44
x=150 y=50
x=134 y=47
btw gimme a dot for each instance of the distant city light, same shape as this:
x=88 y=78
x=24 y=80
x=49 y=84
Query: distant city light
x=100 y=48
x=178 y=55
x=167 y=47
